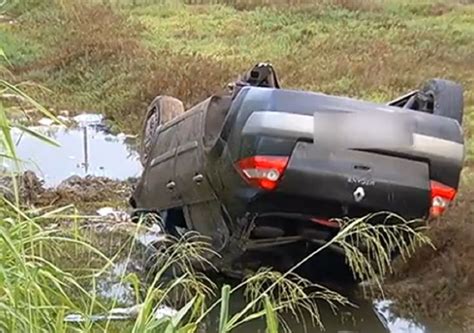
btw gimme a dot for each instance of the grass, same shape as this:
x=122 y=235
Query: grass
x=33 y=290
x=438 y=284
x=116 y=60
x=41 y=282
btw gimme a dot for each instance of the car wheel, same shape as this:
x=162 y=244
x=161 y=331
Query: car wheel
x=159 y=112
x=446 y=97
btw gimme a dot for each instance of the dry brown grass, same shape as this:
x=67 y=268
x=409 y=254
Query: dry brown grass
x=99 y=52
x=353 y=5
x=97 y=41
x=91 y=33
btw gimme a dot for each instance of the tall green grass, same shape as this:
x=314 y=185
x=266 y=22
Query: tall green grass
x=33 y=291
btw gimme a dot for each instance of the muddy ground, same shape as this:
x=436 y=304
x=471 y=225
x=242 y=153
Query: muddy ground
x=87 y=194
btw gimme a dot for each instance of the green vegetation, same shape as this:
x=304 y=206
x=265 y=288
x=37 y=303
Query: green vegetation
x=116 y=58
x=41 y=282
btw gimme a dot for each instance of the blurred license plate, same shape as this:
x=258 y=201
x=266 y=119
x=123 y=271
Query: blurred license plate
x=363 y=130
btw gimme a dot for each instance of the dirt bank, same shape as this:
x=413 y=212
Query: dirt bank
x=439 y=284
x=87 y=194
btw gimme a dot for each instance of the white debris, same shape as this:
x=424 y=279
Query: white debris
x=74 y=318
x=45 y=122
x=148 y=239
x=106 y=211
x=121 y=136
x=13 y=97
x=165 y=311
x=64 y=119
x=116 y=215
x=154 y=228
x=85 y=119
x=122 y=314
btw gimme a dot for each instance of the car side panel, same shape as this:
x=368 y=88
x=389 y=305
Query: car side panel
x=190 y=173
x=154 y=190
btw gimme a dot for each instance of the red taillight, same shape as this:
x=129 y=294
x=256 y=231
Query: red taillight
x=263 y=171
x=325 y=222
x=441 y=196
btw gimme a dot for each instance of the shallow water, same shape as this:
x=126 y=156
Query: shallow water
x=365 y=317
x=368 y=317
x=85 y=149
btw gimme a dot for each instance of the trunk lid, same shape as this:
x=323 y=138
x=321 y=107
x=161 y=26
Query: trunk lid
x=358 y=180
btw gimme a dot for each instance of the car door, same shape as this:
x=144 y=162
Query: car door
x=159 y=187
x=190 y=174
x=201 y=208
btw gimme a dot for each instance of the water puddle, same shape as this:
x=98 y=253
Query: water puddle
x=367 y=317
x=85 y=149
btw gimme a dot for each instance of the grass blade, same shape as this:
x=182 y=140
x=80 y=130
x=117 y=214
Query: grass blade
x=38 y=135
x=270 y=316
x=224 y=315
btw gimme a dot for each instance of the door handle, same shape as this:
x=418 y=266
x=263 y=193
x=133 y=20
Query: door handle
x=198 y=178
x=171 y=185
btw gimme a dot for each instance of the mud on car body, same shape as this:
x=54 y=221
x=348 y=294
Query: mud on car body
x=261 y=167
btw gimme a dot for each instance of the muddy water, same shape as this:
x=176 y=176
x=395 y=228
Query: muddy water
x=367 y=318
x=88 y=149
x=364 y=317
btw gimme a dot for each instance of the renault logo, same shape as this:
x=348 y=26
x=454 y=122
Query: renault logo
x=359 y=194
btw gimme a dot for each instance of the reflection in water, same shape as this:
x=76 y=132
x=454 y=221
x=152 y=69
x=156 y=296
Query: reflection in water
x=84 y=150
x=398 y=324
x=365 y=317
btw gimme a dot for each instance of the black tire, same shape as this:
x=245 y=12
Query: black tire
x=447 y=97
x=159 y=112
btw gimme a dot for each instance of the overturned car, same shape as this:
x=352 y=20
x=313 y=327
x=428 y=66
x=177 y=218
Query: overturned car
x=259 y=166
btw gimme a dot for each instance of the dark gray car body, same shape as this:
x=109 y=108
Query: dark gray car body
x=335 y=145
